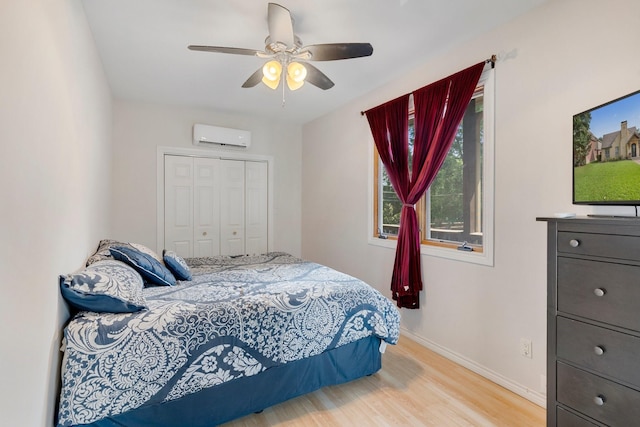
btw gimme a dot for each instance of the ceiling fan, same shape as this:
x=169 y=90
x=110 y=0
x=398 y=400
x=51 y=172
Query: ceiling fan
x=285 y=51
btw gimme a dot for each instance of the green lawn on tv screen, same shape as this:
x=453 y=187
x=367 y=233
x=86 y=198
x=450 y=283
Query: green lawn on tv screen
x=608 y=181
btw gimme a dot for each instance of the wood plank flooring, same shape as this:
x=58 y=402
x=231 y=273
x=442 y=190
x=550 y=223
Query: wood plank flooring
x=415 y=387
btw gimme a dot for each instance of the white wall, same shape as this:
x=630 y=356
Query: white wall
x=140 y=128
x=55 y=124
x=558 y=60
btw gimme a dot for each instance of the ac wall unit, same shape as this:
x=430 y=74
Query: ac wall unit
x=206 y=134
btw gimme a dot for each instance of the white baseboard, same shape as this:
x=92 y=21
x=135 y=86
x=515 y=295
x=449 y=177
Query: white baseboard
x=538 y=398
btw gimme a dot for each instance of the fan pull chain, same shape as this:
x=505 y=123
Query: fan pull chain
x=283 y=83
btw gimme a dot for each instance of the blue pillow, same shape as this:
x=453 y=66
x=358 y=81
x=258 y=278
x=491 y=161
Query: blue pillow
x=105 y=286
x=149 y=268
x=177 y=265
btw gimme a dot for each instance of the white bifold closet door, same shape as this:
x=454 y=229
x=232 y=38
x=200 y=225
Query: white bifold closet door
x=256 y=207
x=232 y=214
x=215 y=206
x=192 y=206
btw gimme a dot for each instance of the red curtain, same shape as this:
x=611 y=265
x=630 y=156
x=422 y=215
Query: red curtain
x=439 y=109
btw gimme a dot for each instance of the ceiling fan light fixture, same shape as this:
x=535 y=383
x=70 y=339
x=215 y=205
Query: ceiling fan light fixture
x=271 y=73
x=283 y=49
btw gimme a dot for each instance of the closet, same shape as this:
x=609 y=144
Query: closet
x=215 y=206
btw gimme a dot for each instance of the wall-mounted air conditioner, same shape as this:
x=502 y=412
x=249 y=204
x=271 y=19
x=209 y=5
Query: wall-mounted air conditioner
x=206 y=134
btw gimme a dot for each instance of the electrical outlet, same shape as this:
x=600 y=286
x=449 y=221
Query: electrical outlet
x=526 y=348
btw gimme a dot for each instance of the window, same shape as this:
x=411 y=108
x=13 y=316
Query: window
x=456 y=213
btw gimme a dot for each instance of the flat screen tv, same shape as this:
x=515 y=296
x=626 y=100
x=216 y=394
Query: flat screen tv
x=606 y=153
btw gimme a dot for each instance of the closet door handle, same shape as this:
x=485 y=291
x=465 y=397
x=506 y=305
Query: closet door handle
x=574 y=243
x=599 y=400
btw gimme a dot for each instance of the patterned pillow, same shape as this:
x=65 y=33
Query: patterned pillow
x=151 y=270
x=105 y=286
x=103 y=252
x=177 y=265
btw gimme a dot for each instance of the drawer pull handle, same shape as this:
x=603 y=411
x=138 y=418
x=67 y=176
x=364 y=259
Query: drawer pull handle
x=599 y=400
x=599 y=292
x=574 y=243
x=598 y=350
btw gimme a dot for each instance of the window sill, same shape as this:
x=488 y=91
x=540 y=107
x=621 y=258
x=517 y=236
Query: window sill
x=481 y=258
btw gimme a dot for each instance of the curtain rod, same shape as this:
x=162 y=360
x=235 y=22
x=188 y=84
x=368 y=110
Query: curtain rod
x=491 y=60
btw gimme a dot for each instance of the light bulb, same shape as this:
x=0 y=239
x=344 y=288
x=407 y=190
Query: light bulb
x=296 y=73
x=294 y=85
x=271 y=74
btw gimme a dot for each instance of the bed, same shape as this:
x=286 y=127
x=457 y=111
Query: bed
x=244 y=333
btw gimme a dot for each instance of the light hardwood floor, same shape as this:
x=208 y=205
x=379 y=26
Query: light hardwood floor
x=415 y=387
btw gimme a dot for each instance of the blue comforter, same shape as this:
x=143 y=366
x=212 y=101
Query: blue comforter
x=237 y=318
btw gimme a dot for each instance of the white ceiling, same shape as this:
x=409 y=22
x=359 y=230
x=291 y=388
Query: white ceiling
x=143 y=46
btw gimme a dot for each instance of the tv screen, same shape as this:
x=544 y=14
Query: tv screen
x=606 y=153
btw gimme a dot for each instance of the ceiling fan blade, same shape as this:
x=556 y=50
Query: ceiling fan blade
x=335 y=51
x=254 y=79
x=317 y=77
x=232 y=50
x=280 y=25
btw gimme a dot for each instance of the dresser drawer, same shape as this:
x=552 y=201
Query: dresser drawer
x=580 y=390
x=602 y=291
x=601 y=245
x=567 y=419
x=611 y=353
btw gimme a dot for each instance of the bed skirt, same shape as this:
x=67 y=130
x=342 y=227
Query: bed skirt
x=247 y=395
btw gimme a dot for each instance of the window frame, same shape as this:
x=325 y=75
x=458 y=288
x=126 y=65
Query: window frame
x=444 y=249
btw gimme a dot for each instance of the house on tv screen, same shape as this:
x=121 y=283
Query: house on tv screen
x=621 y=144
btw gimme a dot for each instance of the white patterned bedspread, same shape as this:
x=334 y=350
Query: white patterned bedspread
x=237 y=318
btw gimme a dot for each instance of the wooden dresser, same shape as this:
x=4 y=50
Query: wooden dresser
x=593 y=322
